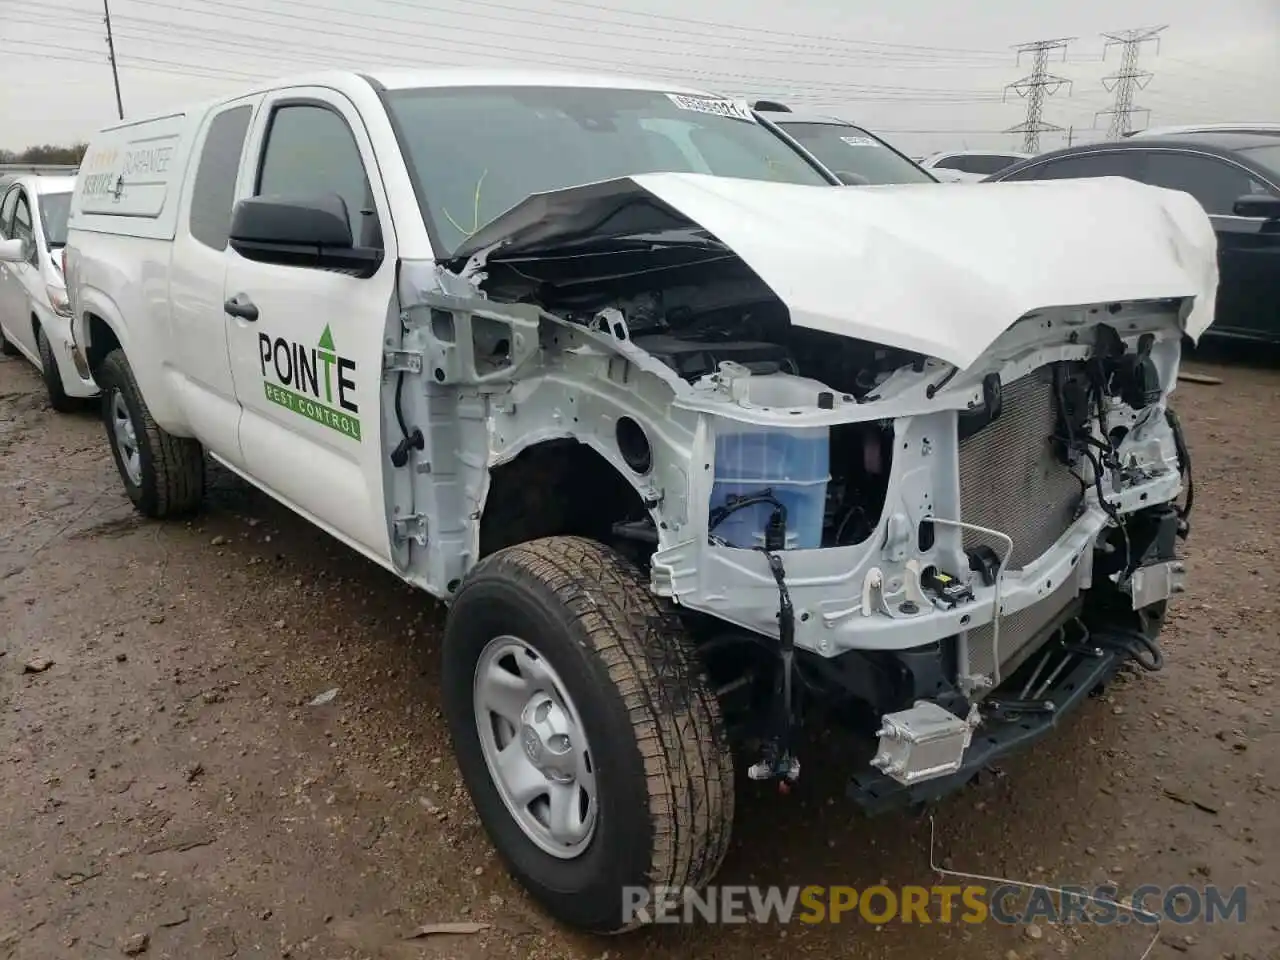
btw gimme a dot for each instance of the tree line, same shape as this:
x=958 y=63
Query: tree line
x=46 y=153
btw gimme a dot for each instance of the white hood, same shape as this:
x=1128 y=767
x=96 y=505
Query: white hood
x=937 y=270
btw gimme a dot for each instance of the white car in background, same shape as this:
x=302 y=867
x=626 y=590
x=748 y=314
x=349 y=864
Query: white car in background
x=963 y=166
x=35 y=318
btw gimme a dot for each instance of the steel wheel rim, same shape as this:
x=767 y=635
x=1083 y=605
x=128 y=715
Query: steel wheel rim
x=535 y=747
x=125 y=438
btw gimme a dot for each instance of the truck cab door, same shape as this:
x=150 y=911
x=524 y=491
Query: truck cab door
x=197 y=278
x=306 y=343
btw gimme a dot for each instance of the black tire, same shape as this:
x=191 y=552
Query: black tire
x=172 y=468
x=1152 y=619
x=58 y=398
x=663 y=768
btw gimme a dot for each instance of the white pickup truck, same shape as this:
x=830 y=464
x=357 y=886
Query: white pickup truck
x=688 y=440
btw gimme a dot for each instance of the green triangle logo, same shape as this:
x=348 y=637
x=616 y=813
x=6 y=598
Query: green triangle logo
x=326 y=339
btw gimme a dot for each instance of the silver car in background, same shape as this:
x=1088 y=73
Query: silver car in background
x=854 y=155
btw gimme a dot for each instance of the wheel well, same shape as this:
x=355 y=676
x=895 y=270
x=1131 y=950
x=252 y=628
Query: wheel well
x=102 y=340
x=556 y=488
x=35 y=326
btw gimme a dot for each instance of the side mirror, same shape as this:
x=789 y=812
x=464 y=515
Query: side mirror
x=1258 y=205
x=12 y=251
x=300 y=232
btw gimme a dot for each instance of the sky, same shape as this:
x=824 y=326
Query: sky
x=929 y=75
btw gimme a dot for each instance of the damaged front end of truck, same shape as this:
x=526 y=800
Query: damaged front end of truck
x=902 y=453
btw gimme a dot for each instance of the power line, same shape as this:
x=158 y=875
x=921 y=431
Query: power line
x=833 y=55
x=1034 y=87
x=253 y=14
x=766 y=32
x=145 y=64
x=314 y=56
x=1128 y=78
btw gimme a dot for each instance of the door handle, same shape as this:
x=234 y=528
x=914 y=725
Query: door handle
x=242 y=307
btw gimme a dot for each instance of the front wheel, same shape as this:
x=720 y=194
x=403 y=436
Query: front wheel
x=52 y=377
x=585 y=731
x=6 y=346
x=162 y=474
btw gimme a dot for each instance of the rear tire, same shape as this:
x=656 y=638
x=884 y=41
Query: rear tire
x=162 y=474
x=658 y=773
x=52 y=377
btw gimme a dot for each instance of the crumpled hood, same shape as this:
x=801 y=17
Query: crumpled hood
x=937 y=270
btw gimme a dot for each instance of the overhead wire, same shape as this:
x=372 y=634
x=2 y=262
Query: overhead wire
x=257 y=14
x=145 y=64
x=399 y=46
x=843 y=56
x=254 y=13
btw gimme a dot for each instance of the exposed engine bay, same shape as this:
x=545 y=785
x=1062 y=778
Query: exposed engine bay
x=870 y=450
x=698 y=309
x=1030 y=454
x=695 y=315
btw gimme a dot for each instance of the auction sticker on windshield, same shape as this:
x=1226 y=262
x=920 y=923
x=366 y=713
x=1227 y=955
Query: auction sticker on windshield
x=860 y=141
x=720 y=108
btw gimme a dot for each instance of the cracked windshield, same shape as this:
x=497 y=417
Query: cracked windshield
x=478 y=152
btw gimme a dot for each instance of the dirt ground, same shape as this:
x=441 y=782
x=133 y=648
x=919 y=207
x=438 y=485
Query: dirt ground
x=167 y=778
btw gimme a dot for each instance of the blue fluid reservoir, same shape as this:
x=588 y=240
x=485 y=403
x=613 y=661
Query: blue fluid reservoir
x=793 y=464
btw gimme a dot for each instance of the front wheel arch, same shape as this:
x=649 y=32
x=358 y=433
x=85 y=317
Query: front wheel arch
x=102 y=340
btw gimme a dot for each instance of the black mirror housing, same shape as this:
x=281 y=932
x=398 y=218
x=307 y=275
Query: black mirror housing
x=302 y=222
x=1258 y=205
x=302 y=232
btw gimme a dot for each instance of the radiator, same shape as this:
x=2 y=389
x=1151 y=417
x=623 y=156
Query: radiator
x=1018 y=630
x=1010 y=479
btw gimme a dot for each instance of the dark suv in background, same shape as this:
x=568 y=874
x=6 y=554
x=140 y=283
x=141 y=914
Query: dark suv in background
x=1236 y=177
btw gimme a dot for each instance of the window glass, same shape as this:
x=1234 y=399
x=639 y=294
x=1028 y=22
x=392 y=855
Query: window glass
x=843 y=149
x=6 y=212
x=1216 y=183
x=22 y=220
x=311 y=152
x=54 y=209
x=1115 y=163
x=214 y=191
x=477 y=152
